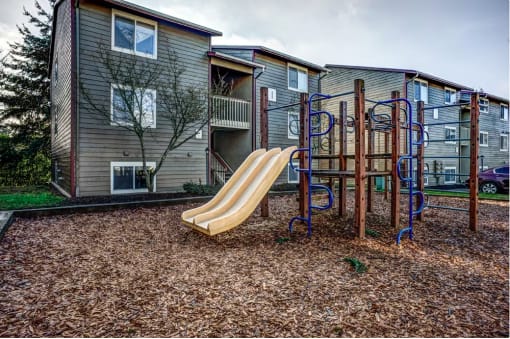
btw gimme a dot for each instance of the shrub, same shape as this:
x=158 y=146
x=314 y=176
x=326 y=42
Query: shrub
x=199 y=189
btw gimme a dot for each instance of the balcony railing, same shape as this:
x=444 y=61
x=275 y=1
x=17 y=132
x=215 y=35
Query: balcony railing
x=230 y=112
x=221 y=171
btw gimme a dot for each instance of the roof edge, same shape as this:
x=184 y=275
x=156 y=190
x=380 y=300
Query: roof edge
x=274 y=53
x=163 y=16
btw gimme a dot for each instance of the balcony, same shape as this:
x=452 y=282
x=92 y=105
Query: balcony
x=230 y=112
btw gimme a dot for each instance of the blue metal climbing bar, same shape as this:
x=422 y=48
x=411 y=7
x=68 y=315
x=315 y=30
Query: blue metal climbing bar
x=409 y=159
x=312 y=132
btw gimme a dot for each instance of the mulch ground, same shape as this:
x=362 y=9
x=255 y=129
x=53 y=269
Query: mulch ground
x=139 y=272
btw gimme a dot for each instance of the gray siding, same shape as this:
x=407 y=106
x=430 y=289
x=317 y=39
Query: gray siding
x=492 y=124
x=100 y=143
x=378 y=86
x=489 y=122
x=275 y=76
x=238 y=53
x=437 y=147
x=61 y=98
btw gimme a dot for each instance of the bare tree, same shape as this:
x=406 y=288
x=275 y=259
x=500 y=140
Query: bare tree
x=136 y=82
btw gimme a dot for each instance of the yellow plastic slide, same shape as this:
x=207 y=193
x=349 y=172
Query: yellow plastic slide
x=240 y=196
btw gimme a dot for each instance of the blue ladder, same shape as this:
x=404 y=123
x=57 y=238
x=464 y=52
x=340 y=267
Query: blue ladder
x=313 y=113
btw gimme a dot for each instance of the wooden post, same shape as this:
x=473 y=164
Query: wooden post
x=395 y=154
x=370 y=150
x=331 y=152
x=359 y=157
x=304 y=142
x=264 y=142
x=473 y=168
x=419 y=160
x=386 y=165
x=342 y=161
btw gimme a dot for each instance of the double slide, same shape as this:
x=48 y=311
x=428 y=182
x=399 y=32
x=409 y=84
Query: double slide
x=241 y=195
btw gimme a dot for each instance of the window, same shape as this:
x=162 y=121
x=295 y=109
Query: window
x=293 y=176
x=450 y=175
x=298 y=78
x=421 y=91
x=501 y=170
x=55 y=73
x=425 y=136
x=425 y=175
x=293 y=125
x=504 y=112
x=125 y=102
x=503 y=142
x=450 y=96
x=271 y=94
x=484 y=138
x=484 y=105
x=436 y=113
x=132 y=34
x=55 y=125
x=128 y=177
x=450 y=135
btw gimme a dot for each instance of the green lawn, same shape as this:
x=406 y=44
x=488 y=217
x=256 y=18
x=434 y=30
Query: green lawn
x=497 y=196
x=27 y=197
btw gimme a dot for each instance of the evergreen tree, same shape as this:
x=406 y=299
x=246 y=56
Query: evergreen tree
x=25 y=90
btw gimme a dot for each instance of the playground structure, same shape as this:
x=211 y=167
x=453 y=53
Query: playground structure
x=249 y=185
x=239 y=197
x=398 y=166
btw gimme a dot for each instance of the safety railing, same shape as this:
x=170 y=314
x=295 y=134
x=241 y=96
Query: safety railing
x=221 y=171
x=230 y=112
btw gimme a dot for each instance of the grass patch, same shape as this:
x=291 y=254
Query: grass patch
x=487 y=196
x=372 y=233
x=358 y=266
x=27 y=197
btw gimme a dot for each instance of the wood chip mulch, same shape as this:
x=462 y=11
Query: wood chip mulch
x=140 y=273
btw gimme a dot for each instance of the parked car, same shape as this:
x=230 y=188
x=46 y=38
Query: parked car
x=494 y=180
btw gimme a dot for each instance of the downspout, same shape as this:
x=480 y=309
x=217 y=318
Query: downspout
x=209 y=113
x=77 y=161
x=406 y=82
x=74 y=56
x=254 y=107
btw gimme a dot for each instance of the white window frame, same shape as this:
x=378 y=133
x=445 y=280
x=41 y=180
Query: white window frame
x=452 y=129
x=422 y=82
x=487 y=139
x=299 y=69
x=289 y=170
x=271 y=94
x=453 y=94
x=426 y=136
x=454 y=168
x=289 y=134
x=136 y=19
x=121 y=87
x=484 y=104
x=503 y=135
x=129 y=164
x=505 y=114
x=425 y=175
x=55 y=72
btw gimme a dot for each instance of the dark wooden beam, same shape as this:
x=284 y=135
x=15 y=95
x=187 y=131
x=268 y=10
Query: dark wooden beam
x=342 y=161
x=395 y=154
x=419 y=159
x=473 y=165
x=264 y=141
x=304 y=142
x=359 y=159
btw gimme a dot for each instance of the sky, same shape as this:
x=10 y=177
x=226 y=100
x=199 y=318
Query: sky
x=463 y=41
